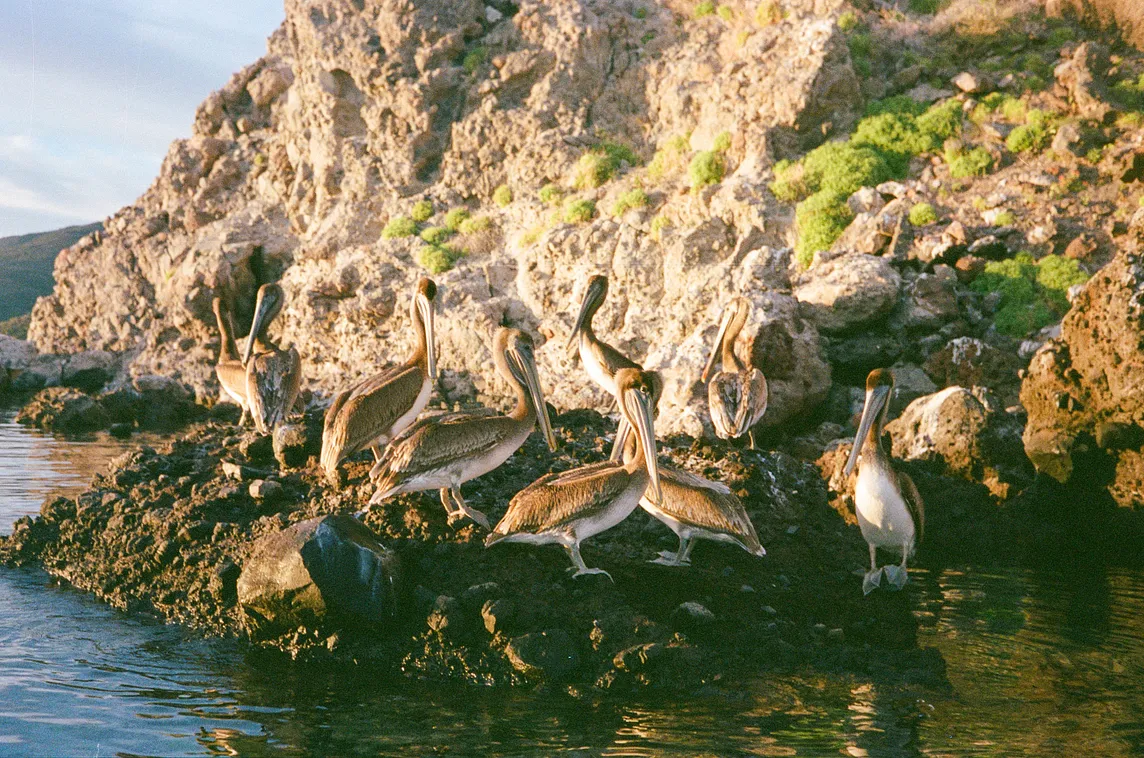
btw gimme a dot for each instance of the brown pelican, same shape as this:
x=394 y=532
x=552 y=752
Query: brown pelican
x=229 y=369
x=273 y=375
x=696 y=508
x=890 y=510
x=736 y=396
x=378 y=408
x=572 y=506
x=443 y=452
x=601 y=360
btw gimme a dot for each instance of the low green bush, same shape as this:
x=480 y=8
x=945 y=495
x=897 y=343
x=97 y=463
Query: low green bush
x=922 y=214
x=502 y=196
x=550 y=194
x=705 y=8
x=966 y=163
x=422 y=210
x=597 y=166
x=475 y=59
x=722 y=142
x=633 y=198
x=706 y=168
x=577 y=211
x=474 y=225
x=437 y=259
x=1033 y=293
x=820 y=220
x=399 y=226
x=454 y=218
x=435 y=235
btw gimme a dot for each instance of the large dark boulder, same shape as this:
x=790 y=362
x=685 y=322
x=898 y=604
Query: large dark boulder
x=64 y=409
x=325 y=573
x=1084 y=392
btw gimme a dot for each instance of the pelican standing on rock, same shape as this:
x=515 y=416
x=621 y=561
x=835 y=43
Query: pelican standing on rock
x=890 y=510
x=736 y=396
x=696 y=508
x=443 y=452
x=273 y=375
x=570 y=507
x=229 y=369
x=375 y=410
x=601 y=360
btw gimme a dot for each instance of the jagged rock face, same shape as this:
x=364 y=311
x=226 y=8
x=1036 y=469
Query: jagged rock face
x=1086 y=389
x=360 y=109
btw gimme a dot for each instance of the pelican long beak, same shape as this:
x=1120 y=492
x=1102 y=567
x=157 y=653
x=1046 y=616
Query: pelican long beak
x=639 y=405
x=876 y=399
x=526 y=363
x=261 y=311
x=717 y=348
x=425 y=308
x=591 y=298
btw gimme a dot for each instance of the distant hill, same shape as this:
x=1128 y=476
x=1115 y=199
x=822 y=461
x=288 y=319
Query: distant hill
x=26 y=266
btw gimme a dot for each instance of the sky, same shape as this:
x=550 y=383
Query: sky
x=93 y=91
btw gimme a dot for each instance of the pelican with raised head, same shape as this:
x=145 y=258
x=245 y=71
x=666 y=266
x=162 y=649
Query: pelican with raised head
x=696 y=508
x=601 y=360
x=273 y=375
x=378 y=408
x=443 y=452
x=570 y=507
x=229 y=369
x=890 y=511
x=736 y=395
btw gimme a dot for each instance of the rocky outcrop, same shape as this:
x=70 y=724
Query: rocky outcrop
x=1084 y=391
x=966 y=433
x=360 y=110
x=848 y=291
x=1127 y=16
x=64 y=409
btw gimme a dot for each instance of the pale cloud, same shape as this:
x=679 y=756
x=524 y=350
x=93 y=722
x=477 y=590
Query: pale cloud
x=93 y=91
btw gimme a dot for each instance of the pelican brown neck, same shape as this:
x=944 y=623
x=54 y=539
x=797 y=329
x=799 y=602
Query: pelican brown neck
x=514 y=353
x=227 y=349
x=636 y=388
x=421 y=311
x=266 y=307
x=874 y=413
x=738 y=321
x=594 y=294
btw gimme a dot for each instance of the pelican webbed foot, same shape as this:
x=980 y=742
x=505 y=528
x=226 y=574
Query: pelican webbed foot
x=587 y=571
x=896 y=576
x=871 y=581
x=464 y=509
x=668 y=558
x=579 y=565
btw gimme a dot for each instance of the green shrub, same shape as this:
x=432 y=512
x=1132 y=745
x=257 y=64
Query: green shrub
x=1033 y=293
x=399 y=226
x=706 y=168
x=17 y=326
x=941 y=121
x=926 y=6
x=705 y=8
x=422 y=210
x=847 y=20
x=722 y=142
x=922 y=214
x=437 y=259
x=1004 y=218
x=769 y=12
x=725 y=12
x=895 y=136
x=896 y=104
x=597 y=166
x=788 y=185
x=633 y=198
x=435 y=235
x=861 y=48
x=475 y=59
x=669 y=158
x=820 y=220
x=640 y=13
x=550 y=194
x=454 y=218
x=1130 y=92
x=843 y=168
x=474 y=225
x=502 y=196
x=577 y=211
x=1033 y=135
x=966 y=163
x=658 y=224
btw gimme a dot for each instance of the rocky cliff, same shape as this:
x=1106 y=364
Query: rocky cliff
x=359 y=111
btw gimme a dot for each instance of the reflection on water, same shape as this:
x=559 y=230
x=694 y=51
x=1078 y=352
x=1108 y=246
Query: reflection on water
x=1040 y=664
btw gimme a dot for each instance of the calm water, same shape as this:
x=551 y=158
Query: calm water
x=1040 y=664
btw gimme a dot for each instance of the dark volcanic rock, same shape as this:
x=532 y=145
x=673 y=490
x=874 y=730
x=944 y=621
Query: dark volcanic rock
x=1084 y=392
x=323 y=572
x=64 y=409
x=967 y=434
x=550 y=654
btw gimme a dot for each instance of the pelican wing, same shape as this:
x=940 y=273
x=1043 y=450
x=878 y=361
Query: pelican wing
x=754 y=400
x=436 y=442
x=724 y=399
x=556 y=499
x=914 y=502
x=704 y=504
x=370 y=410
x=272 y=381
x=232 y=376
